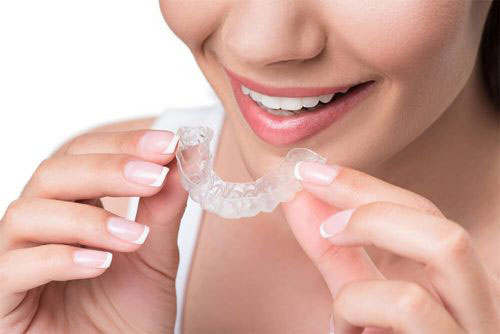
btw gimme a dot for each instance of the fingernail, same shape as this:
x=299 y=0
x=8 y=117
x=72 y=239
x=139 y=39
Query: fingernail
x=92 y=258
x=145 y=173
x=127 y=230
x=331 y=326
x=335 y=223
x=315 y=173
x=163 y=142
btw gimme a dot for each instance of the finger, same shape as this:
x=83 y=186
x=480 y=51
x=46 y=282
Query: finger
x=444 y=247
x=37 y=220
x=151 y=145
x=27 y=268
x=400 y=306
x=343 y=188
x=347 y=188
x=338 y=265
x=76 y=177
x=163 y=212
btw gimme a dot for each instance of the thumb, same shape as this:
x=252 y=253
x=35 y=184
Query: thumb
x=162 y=212
x=338 y=265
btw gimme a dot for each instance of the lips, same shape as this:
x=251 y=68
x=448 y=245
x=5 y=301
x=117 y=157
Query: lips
x=286 y=130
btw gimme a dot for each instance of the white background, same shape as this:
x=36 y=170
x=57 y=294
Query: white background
x=67 y=66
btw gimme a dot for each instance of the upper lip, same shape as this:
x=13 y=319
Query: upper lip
x=286 y=91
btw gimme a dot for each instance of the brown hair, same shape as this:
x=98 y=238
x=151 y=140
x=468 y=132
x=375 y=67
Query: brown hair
x=489 y=53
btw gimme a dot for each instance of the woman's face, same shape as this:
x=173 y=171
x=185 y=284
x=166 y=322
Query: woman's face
x=411 y=57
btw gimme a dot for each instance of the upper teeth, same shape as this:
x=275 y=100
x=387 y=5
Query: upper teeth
x=286 y=103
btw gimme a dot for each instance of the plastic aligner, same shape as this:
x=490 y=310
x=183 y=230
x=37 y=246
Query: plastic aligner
x=233 y=199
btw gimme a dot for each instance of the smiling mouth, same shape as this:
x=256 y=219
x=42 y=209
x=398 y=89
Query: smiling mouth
x=286 y=115
x=288 y=106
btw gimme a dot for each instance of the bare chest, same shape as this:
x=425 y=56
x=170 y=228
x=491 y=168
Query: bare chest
x=250 y=277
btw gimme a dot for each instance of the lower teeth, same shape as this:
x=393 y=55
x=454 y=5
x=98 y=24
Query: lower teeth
x=280 y=112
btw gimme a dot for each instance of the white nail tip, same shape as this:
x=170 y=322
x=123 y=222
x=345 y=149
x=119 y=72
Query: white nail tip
x=106 y=262
x=159 y=181
x=171 y=146
x=296 y=171
x=324 y=233
x=142 y=238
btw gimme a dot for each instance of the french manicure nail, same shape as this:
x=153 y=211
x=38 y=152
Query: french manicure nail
x=315 y=173
x=127 y=230
x=163 y=142
x=335 y=224
x=92 y=258
x=172 y=145
x=145 y=173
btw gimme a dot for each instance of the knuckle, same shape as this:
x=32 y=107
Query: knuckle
x=379 y=208
x=76 y=142
x=41 y=172
x=131 y=141
x=14 y=227
x=93 y=228
x=355 y=181
x=110 y=164
x=13 y=212
x=50 y=257
x=330 y=255
x=412 y=300
x=118 y=164
x=425 y=205
x=455 y=243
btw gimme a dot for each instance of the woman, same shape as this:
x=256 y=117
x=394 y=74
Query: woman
x=397 y=233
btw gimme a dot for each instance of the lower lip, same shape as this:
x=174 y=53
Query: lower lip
x=285 y=130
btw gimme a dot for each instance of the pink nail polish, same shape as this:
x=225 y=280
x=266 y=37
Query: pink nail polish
x=145 y=173
x=92 y=258
x=315 y=173
x=127 y=230
x=163 y=142
x=335 y=224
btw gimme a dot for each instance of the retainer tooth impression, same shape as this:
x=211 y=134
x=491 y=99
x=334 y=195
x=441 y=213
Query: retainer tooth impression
x=230 y=199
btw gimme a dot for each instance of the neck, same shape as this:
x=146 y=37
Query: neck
x=455 y=163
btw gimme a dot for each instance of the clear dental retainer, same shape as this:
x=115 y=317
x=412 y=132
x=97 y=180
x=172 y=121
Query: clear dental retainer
x=233 y=199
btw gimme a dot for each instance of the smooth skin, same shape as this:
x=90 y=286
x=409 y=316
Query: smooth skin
x=418 y=255
x=459 y=296
x=60 y=212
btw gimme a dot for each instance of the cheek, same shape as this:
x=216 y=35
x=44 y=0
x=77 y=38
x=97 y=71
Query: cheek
x=395 y=37
x=192 y=20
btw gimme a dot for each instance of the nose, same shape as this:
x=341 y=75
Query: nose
x=263 y=32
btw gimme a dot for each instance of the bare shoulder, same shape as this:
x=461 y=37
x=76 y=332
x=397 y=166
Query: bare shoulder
x=116 y=205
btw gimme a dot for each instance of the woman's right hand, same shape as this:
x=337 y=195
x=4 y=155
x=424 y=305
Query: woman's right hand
x=55 y=239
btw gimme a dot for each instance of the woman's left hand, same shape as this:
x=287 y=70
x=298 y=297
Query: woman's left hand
x=352 y=210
